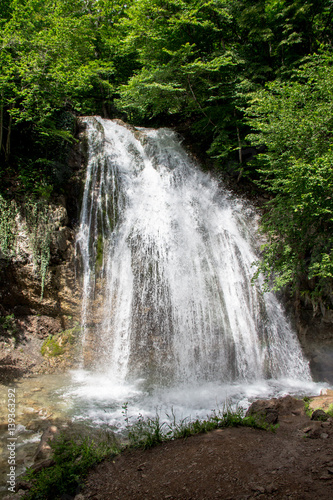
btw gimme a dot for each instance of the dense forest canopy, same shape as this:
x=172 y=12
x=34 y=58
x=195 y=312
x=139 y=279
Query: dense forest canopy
x=238 y=74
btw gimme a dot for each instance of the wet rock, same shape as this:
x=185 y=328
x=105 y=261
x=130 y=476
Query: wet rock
x=270 y=410
x=23 y=485
x=44 y=449
x=315 y=433
x=60 y=242
x=16 y=496
x=59 y=214
x=264 y=410
x=328 y=316
x=43 y=465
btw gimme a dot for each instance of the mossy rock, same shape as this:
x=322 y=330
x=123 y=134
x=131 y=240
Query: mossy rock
x=99 y=252
x=56 y=345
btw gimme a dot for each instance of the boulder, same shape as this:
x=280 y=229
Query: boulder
x=270 y=410
x=264 y=410
x=44 y=449
x=319 y=415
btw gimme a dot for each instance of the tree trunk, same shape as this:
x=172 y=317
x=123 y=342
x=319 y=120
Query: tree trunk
x=7 y=150
x=239 y=155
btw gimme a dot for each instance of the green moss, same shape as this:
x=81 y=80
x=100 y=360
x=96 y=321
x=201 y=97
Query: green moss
x=51 y=347
x=99 y=252
x=55 y=345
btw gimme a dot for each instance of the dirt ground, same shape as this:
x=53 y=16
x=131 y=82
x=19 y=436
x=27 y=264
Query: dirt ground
x=295 y=462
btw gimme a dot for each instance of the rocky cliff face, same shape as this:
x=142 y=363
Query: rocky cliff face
x=315 y=332
x=26 y=318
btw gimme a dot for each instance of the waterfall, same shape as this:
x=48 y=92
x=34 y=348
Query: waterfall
x=166 y=260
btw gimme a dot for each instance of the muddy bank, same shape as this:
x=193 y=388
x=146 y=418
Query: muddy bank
x=295 y=462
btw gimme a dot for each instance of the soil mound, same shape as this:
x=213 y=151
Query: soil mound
x=294 y=462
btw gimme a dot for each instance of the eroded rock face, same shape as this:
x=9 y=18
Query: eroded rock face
x=34 y=319
x=26 y=319
x=315 y=333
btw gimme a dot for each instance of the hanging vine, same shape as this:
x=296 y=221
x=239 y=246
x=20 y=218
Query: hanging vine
x=39 y=221
x=38 y=218
x=8 y=212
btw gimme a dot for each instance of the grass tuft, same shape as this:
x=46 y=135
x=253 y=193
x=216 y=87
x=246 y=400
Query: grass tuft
x=73 y=458
x=148 y=432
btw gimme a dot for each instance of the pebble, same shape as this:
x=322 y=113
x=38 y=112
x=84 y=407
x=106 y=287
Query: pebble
x=261 y=489
x=307 y=429
x=271 y=488
x=324 y=435
x=30 y=410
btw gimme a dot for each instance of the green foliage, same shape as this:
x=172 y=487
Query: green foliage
x=330 y=410
x=309 y=411
x=73 y=458
x=307 y=408
x=188 y=68
x=38 y=217
x=219 y=419
x=200 y=59
x=54 y=62
x=146 y=432
x=295 y=123
x=8 y=323
x=236 y=72
x=8 y=326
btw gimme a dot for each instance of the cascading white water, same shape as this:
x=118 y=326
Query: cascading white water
x=171 y=321
x=166 y=259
